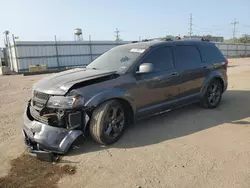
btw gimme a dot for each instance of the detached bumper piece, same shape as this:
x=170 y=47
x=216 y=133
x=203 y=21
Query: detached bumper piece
x=47 y=142
x=36 y=151
x=44 y=155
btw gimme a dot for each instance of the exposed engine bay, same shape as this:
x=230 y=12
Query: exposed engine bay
x=54 y=131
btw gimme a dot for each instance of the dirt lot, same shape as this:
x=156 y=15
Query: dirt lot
x=189 y=147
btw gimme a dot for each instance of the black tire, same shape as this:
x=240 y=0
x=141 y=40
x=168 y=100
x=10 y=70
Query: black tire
x=102 y=125
x=207 y=101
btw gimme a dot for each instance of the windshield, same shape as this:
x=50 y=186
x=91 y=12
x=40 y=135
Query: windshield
x=117 y=59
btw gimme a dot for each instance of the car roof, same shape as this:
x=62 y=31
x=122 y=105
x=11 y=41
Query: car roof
x=143 y=45
x=155 y=43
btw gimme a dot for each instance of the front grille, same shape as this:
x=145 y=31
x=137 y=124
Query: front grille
x=41 y=95
x=52 y=119
x=37 y=116
x=39 y=100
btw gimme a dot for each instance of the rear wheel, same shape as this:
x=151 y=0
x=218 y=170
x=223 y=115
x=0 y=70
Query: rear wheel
x=213 y=95
x=108 y=122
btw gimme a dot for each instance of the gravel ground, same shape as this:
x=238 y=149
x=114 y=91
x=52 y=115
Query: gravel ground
x=189 y=147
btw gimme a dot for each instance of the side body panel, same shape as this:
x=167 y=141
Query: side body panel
x=192 y=71
x=157 y=91
x=216 y=63
x=120 y=87
x=196 y=76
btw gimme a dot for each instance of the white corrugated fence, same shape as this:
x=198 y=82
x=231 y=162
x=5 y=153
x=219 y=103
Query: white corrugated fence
x=55 y=55
x=63 y=54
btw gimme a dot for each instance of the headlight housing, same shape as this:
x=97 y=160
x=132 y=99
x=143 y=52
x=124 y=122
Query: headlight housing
x=65 y=102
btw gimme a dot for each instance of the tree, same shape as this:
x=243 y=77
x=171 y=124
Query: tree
x=169 y=36
x=118 y=39
x=244 y=39
x=230 y=40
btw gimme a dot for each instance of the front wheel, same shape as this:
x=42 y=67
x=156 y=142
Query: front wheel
x=108 y=122
x=213 y=95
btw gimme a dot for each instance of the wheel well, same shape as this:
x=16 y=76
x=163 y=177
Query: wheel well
x=215 y=78
x=128 y=108
x=221 y=82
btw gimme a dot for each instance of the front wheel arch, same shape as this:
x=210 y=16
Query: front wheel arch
x=126 y=104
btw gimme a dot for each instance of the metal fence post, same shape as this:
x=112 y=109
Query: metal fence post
x=14 y=43
x=245 y=50
x=237 y=50
x=10 y=53
x=227 y=51
x=90 y=49
x=57 y=58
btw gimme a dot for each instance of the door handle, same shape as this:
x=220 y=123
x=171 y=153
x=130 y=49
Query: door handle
x=175 y=74
x=216 y=65
x=157 y=78
x=205 y=67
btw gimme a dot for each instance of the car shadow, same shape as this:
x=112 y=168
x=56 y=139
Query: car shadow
x=234 y=107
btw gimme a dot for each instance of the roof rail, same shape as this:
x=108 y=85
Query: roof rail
x=197 y=39
x=172 y=39
x=168 y=39
x=144 y=40
x=204 y=39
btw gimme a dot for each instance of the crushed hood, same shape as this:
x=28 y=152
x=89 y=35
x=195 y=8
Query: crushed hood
x=60 y=83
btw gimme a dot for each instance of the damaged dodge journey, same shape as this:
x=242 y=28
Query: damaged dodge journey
x=127 y=83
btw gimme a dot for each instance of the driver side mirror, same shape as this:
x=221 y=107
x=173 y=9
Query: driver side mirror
x=145 y=68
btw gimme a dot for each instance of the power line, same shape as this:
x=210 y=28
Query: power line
x=117 y=35
x=190 y=26
x=234 y=28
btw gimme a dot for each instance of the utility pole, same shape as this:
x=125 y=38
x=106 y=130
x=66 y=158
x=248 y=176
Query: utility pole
x=234 y=28
x=190 y=26
x=117 y=35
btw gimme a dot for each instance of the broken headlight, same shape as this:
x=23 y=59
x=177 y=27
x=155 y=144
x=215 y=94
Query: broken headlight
x=65 y=102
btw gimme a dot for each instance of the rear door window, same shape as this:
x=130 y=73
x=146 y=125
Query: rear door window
x=187 y=56
x=162 y=58
x=211 y=54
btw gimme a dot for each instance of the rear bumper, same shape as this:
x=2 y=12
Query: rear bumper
x=42 y=137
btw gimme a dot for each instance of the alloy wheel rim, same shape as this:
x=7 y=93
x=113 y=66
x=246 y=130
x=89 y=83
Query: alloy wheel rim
x=114 y=122
x=214 y=94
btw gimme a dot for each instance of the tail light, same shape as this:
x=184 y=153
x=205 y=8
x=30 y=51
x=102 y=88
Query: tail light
x=226 y=63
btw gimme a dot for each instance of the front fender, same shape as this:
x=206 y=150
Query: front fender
x=111 y=94
x=208 y=79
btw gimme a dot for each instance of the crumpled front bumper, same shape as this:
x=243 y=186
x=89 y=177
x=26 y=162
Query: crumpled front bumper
x=42 y=138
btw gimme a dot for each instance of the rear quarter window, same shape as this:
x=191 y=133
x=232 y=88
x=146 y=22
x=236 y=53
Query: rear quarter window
x=211 y=54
